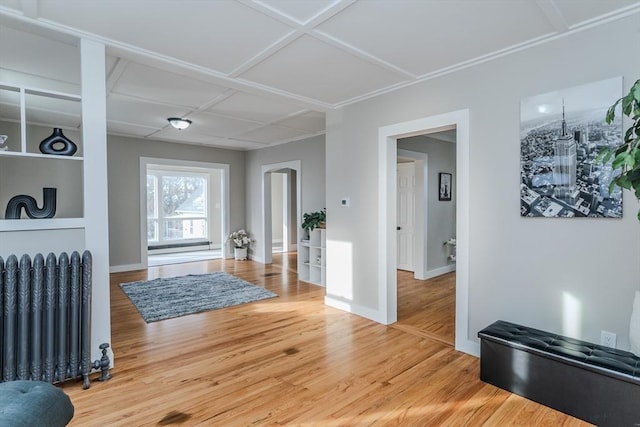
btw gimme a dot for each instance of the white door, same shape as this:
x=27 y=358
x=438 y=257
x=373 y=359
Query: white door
x=406 y=215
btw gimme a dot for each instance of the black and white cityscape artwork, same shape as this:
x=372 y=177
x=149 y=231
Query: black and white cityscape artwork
x=561 y=134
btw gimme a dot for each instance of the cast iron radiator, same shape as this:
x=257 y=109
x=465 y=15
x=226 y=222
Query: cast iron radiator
x=46 y=318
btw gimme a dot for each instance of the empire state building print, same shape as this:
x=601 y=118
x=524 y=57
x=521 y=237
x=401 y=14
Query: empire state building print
x=561 y=134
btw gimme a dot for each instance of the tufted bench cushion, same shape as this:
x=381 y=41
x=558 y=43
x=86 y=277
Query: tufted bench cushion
x=33 y=403
x=598 y=384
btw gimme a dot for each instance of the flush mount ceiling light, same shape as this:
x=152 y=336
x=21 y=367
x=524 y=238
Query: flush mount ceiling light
x=179 y=123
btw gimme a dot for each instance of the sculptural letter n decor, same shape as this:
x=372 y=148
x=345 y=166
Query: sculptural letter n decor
x=30 y=206
x=49 y=144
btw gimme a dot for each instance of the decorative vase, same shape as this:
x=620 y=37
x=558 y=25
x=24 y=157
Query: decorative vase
x=17 y=203
x=48 y=145
x=634 y=326
x=240 y=253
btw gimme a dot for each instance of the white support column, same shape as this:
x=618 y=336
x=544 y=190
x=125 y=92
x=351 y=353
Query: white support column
x=96 y=212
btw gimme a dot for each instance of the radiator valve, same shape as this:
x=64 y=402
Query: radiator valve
x=103 y=364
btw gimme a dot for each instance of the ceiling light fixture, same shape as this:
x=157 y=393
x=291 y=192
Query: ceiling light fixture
x=179 y=123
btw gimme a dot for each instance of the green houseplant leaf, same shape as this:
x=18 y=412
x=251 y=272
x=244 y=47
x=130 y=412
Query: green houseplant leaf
x=626 y=158
x=313 y=220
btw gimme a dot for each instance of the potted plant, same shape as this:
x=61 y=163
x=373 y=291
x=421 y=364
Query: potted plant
x=241 y=241
x=626 y=158
x=313 y=220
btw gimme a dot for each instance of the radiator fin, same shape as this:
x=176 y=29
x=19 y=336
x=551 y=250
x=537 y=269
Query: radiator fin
x=46 y=317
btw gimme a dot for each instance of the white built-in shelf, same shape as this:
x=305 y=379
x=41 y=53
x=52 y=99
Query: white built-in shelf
x=38 y=155
x=309 y=252
x=41 y=224
x=28 y=109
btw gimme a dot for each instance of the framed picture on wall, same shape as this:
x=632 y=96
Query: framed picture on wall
x=561 y=134
x=444 y=185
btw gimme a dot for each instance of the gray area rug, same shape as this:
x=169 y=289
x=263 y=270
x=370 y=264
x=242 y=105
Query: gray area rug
x=165 y=298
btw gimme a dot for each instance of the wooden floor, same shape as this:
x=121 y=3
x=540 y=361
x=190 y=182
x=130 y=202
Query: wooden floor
x=289 y=360
x=427 y=307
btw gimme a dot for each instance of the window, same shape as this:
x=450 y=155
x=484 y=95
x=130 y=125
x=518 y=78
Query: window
x=177 y=206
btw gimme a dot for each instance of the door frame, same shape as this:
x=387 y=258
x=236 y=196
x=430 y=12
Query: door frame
x=387 y=157
x=267 y=247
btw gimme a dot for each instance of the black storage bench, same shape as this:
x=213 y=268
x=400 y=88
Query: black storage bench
x=598 y=384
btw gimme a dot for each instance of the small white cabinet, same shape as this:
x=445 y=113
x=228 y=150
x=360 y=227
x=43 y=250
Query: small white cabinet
x=312 y=265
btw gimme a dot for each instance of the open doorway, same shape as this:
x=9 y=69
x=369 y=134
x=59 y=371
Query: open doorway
x=284 y=226
x=281 y=202
x=426 y=218
x=184 y=211
x=387 y=262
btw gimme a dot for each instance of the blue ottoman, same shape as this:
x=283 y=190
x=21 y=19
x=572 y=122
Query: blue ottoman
x=33 y=403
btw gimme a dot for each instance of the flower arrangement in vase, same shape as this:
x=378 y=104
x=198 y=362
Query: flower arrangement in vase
x=241 y=241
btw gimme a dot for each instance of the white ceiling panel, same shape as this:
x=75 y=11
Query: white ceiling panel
x=320 y=71
x=129 y=129
x=189 y=136
x=47 y=58
x=220 y=35
x=142 y=113
x=270 y=134
x=245 y=145
x=252 y=73
x=150 y=83
x=110 y=63
x=313 y=122
x=300 y=11
x=214 y=125
x=12 y=4
x=576 y=12
x=430 y=32
x=251 y=107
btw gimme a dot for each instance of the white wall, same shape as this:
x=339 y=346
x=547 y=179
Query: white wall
x=441 y=215
x=311 y=153
x=124 y=189
x=574 y=277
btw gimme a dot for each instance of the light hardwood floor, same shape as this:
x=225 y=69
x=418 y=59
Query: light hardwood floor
x=288 y=361
x=427 y=307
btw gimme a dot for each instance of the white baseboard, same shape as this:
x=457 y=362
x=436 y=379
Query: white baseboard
x=437 y=272
x=255 y=258
x=126 y=267
x=467 y=346
x=350 y=307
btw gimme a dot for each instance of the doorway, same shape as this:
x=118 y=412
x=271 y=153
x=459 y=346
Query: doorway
x=281 y=204
x=283 y=211
x=426 y=302
x=387 y=262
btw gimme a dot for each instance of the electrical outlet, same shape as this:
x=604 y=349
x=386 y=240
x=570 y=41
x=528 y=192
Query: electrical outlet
x=608 y=339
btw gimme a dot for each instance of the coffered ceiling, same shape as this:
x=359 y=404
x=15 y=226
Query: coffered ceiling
x=254 y=73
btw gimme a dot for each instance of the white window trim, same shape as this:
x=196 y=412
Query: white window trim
x=145 y=162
